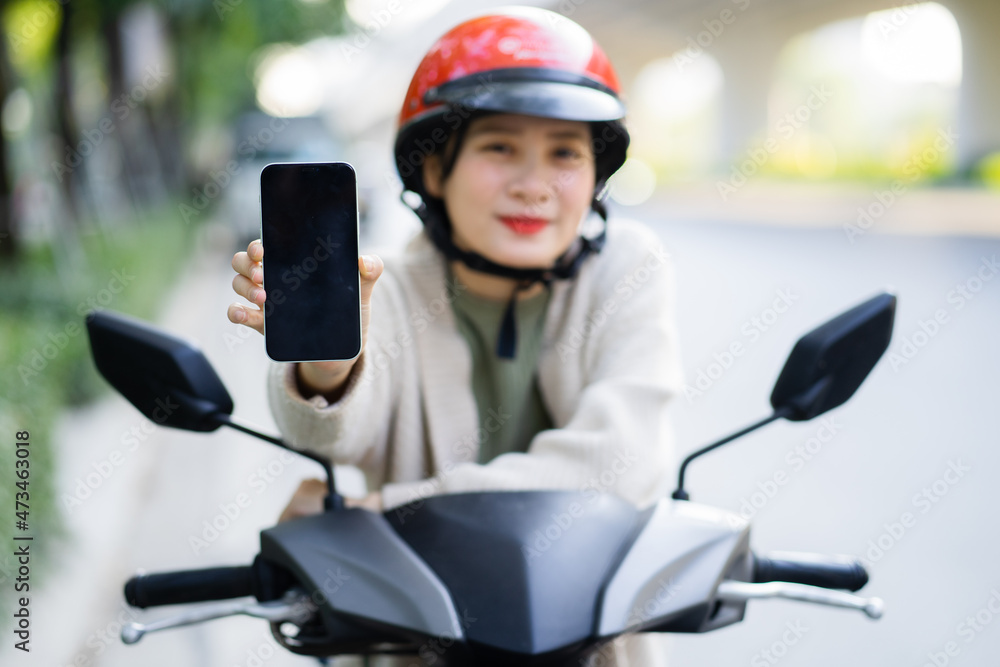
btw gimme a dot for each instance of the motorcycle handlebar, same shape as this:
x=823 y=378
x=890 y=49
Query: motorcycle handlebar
x=836 y=572
x=262 y=580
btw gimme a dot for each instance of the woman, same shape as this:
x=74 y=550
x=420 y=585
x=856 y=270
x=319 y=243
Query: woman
x=509 y=346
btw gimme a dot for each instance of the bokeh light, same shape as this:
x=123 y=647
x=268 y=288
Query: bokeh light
x=288 y=82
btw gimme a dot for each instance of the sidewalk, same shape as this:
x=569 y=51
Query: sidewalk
x=149 y=510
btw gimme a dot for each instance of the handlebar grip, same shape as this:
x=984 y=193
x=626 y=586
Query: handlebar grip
x=215 y=583
x=836 y=572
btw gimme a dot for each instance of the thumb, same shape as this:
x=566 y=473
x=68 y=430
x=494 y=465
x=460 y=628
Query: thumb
x=370 y=267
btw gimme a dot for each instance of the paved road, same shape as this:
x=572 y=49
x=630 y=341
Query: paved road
x=903 y=475
x=911 y=426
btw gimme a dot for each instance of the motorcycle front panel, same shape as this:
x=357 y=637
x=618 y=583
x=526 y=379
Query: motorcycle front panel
x=525 y=569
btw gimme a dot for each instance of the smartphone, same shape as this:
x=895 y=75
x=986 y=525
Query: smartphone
x=309 y=229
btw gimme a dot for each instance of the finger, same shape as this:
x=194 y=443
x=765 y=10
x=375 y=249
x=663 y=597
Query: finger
x=256 y=250
x=249 y=290
x=243 y=265
x=295 y=510
x=312 y=486
x=251 y=317
x=307 y=500
x=370 y=267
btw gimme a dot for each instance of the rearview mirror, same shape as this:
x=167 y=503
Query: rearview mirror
x=168 y=379
x=829 y=363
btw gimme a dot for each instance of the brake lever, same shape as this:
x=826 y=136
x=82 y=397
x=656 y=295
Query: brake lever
x=295 y=607
x=741 y=591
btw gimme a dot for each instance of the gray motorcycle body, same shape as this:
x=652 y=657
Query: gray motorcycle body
x=540 y=577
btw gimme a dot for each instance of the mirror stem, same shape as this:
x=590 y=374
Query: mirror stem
x=680 y=493
x=333 y=500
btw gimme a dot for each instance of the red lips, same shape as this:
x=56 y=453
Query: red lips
x=522 y=225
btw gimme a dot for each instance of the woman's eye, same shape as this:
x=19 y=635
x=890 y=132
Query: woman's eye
x=498 y=148
x=567 y=153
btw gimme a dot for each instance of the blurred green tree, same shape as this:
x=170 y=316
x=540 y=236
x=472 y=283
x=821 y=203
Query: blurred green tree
x=66 y=49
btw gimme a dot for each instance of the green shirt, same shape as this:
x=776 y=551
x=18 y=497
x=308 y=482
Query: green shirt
x=509 y=402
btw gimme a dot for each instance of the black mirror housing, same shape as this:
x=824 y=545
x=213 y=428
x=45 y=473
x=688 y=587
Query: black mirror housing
x=829 y=363
x=168 y=379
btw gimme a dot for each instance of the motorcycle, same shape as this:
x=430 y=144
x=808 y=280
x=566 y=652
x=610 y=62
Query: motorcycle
x=544 y=577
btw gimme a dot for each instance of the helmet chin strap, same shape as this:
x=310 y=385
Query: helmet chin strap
x=566 y=265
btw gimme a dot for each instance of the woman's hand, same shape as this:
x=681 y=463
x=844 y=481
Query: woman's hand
x=308 y=500
x=372 y=502
x=249 y=283
x=319 y=377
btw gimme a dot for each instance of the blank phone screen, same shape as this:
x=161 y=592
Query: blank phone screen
x=309 y=217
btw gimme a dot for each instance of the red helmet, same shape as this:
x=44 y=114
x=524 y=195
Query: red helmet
x=517 y=60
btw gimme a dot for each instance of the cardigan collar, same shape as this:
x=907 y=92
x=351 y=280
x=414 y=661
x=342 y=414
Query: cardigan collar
x=445 y=378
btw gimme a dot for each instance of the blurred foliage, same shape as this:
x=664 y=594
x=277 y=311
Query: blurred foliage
x=834 y=118
x=209 y=53
x=31 y=27
x=49 y=286
x=813 y=156
x=212 y=41
x=833 y=115
x=989 y=170
x=215 y=43
x=45 y=352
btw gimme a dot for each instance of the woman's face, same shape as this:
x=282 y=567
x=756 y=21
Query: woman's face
x=520 y=188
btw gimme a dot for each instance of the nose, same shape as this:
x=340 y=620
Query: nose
x=531 y=181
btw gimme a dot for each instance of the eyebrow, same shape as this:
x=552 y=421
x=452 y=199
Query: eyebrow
x=496 y=128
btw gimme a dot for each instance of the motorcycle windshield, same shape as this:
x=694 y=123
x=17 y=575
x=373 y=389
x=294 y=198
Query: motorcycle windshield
x=525 y=569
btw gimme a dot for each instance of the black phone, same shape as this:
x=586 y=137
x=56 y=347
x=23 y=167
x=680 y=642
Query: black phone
x=309 y=229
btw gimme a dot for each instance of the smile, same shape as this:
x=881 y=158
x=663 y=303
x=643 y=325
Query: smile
x=524 y=225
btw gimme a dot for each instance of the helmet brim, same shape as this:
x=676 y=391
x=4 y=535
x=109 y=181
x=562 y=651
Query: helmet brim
x=546 y=99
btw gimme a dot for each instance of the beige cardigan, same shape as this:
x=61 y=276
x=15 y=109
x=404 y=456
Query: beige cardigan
x=607 y=367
